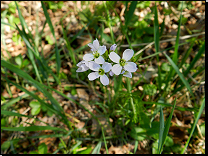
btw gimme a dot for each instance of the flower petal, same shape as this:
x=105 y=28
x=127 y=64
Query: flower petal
x=80 y=63
x=116 y=69
x=104 y=80
x=92 y=47
x=96 y=44
x=127 y=54
x=111 y=73
x=130 y=66
x=114 y=57
x=94 y=66
x=107 y=67
x=92 y=76
x=88 y=57
x=113 y=47
x=82 y=68
x=102 y=50
x=123 y=71
x=127 y=74
x=86 y=63
x=99 y=60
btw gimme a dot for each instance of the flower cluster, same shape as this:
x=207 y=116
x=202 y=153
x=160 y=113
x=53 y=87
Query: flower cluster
x=96 y=62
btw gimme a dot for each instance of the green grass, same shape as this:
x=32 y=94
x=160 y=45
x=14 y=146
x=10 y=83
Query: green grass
x=136 y=110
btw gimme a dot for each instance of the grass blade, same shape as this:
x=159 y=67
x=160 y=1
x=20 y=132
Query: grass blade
x=58 y=60
x=131 y=100
x=196 y=58
x=97 y=148
x=33 y=128
x=186 y=55
x=130 y=12
x=167 y=125
x=161 y=130
x=194 y=125
x=13 y=101
x=179 y=74
x=69 y=46
x=39 y=86
x=156 y=38
x=175 y=54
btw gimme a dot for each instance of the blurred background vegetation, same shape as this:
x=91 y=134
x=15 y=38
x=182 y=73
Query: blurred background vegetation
x=46 y=107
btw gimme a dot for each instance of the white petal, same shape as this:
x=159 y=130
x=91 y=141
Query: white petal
x=79 y=69
x=104 y=80
x=96 y=44
x=91 y=46
x=102 y=50
x=86 y=63
x=114 y=57
x=130 y=66
x=94 y=66
x=127 y=54
x=111 y=73
x=107 y=67
x=92 y=76
x=99 y=60
x=113 y=47
x=116 y=69
x=80 y=63
x=82 y=68
x=123 y=71
x=127 y=74
x=88 y=57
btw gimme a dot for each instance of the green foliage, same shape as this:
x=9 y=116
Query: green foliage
x=36 y=107
x=134 y=117
x=150 y=89
x=54 y=5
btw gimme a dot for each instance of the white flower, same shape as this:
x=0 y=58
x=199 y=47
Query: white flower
x=125 y=73
x=97 y=51
x=122 y=63
x=83 y=66
x=111 y=73
x=99 y=72
x=113 y=47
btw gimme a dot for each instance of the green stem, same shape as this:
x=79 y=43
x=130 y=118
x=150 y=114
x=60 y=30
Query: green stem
x=131 y=100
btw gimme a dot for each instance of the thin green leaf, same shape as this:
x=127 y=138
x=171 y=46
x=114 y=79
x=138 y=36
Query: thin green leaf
x=189 y=80
x=13 y=101
x=131 y=100
x=130 y=12
x=156 y=39
x=35 y=83
x=33 y=128
x=3 y=112
x=196 y=58
x=97 y=148
x=161 y=130
x=69 y=46
x=58 y=60
x=136 y=146
x=106 y=147
x=186 y=54
x=24 y=24
x=167 y=125
x=2 y=22
x=169 y=105
x=40 y=87
x=179 y=74
x=175 y=54
x=194 y=125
